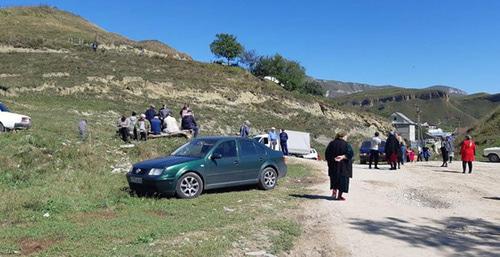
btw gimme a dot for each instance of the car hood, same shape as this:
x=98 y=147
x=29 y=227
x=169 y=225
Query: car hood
x=492 y=149
x=163 y=162
x=13 y=115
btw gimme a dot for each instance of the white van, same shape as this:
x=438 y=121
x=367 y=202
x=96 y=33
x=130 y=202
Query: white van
x=299 y=143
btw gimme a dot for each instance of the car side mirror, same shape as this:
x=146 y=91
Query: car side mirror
x=216 y=156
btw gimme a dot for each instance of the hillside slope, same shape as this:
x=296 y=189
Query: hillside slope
x=486 y=132
x=47 y=27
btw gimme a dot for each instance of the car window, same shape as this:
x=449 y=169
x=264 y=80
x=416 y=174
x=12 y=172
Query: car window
x=195 y=148
x=247 y=148
x=265 y=141
x=226 y=149
x=261 y=149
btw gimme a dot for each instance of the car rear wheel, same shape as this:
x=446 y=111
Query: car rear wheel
x=190 y=185
x=268 y=179
x=2 y=128
x=493 y=157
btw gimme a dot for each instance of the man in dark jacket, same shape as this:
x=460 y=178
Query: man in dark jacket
x=189 y=123
x=391 y=150
x=150 y=113
x=339 y=156
x=283 y=142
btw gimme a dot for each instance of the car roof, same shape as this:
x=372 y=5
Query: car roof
x=221 y=137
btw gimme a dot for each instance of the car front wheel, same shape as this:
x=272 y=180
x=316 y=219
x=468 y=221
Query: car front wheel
x=190 y=185
x=493 y=157
x=2 y=128
x=268 y=179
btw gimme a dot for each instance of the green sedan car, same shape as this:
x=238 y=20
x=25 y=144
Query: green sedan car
x=208 y=163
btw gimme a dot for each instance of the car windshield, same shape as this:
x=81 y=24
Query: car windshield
x=196 y=148
x=3 y=108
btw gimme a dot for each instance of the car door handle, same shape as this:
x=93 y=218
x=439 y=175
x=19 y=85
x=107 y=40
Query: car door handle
x=236 y=163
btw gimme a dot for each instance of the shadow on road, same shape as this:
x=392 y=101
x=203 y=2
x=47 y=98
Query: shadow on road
x=314 y=197
x=448 y=171
x=492 y=197
x=465 y=236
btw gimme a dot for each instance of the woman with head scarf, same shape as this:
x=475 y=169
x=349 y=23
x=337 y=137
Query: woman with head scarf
x=468 y=151
x=391 y=150
x=339 y=155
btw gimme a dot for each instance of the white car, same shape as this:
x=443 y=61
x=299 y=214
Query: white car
x=492 y=153
x=12 y=121
x=313 y=155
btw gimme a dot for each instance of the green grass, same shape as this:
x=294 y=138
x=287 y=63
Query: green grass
x=91 y=213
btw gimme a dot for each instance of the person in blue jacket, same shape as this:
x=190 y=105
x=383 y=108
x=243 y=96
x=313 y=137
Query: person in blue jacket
x=156 y=126
x=150 y=113
x=273 y=138
x=283 y=142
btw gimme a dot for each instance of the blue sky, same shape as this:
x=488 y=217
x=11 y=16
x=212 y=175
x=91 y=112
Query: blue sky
x=412 y=43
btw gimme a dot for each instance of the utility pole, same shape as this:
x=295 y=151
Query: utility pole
x=419 y=127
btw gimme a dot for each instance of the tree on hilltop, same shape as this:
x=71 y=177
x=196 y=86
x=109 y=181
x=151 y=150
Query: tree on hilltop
x=226 y=46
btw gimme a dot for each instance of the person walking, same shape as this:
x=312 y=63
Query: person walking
x=426 y=153
x=273 y=138
x=142 y=127
x=402 y=145
x=284 y=142
x=339 y=156
x=123 y=126
x=374 y=150
x=245 y=129
x=468 y=152
x=444 y=152
x=132 y=126
x=391 y=150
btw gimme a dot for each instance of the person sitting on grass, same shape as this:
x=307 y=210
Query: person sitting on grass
x=170 y=124
x=156 y=126
x=189 y=123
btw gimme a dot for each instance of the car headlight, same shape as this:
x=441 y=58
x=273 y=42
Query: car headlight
x=155 y=172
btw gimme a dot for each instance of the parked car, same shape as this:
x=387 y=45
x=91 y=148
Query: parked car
x=12 y=121
x=492 y=153
x=313 y=155
x=364 y=152
x=208 y=163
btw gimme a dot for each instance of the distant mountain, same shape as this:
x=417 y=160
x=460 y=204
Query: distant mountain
x=337 y=88
x=449 y=90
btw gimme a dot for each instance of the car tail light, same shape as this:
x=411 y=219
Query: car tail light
x=25 y=119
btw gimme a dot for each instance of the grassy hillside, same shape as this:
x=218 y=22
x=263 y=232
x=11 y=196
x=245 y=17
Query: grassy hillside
x=486 y=131
x=47 y=27
x=66 y=197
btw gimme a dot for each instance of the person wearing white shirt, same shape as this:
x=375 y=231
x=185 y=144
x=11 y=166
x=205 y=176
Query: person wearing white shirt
x=374 y=150
x=170 y=124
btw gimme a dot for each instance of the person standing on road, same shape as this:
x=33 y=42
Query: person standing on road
x=283 y=142
x=468 y=152
x=273 y=138
x=245 y=129
x=374 y=150
x=444 y=152
x=391 y=150
x=339 y=156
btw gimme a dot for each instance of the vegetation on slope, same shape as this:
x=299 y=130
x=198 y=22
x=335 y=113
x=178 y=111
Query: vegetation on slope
x=486 y=132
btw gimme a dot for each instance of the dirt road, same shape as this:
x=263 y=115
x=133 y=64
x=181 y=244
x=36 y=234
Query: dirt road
x=420 y=210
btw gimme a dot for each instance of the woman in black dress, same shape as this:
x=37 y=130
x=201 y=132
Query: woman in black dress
x=339 y=155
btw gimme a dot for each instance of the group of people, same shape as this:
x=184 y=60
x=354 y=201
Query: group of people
x=156 y=122
x=273 y=136
x=395 y=149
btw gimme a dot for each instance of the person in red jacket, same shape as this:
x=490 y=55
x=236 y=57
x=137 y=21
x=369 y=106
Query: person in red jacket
x=468 y=151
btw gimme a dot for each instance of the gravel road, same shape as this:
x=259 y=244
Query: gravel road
x=419 y=210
